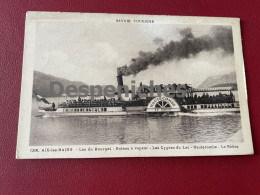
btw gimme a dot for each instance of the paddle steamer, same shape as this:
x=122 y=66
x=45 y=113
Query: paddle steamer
x=210 y=100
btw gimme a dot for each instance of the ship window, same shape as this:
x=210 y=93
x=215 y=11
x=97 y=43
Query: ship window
x=101 y=109
x=232 y=105
x=226 y=105
x=205 y=106
x=75 y=110
x=105 y=109
x=191 y=107
x=188 y=107
x=195 y=107
x=201 y=106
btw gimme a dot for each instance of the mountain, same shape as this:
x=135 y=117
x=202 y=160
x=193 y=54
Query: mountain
x=41 y=83
x=233 y=85
x=219 y=81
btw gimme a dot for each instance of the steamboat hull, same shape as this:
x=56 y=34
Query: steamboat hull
x=86 y=111
x=212 y=108
x=58 y=114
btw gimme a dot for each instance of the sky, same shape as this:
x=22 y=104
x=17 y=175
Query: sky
x=91 y=53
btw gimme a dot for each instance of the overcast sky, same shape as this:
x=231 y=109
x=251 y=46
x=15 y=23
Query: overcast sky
x=91 y=53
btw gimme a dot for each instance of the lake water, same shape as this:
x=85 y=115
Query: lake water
x=73 y=130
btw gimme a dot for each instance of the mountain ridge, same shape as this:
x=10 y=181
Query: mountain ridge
x=219 y=80
x=41 y=83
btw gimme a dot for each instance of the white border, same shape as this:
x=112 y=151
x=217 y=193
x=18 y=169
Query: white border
x=23 y=148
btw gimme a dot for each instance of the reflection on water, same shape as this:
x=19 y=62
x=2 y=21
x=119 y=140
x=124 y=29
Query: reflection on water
x=132 y=129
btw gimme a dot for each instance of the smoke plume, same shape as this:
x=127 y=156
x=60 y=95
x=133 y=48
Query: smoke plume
x=189 y=46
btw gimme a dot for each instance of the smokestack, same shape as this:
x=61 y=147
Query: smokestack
x=120 y=77
x=120 y=73
x=120 y=80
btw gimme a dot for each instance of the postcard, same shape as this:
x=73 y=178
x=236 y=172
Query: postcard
x=119 y=85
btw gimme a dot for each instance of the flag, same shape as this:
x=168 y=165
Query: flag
x=41 y=99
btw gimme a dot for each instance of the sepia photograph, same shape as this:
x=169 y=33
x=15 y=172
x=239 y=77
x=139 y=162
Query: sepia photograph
x=111 y=85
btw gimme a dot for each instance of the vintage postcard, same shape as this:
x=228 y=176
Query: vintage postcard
x=117 y=85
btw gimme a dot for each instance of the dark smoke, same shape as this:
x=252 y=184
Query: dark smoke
x=188 y=46
x=158 y=41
